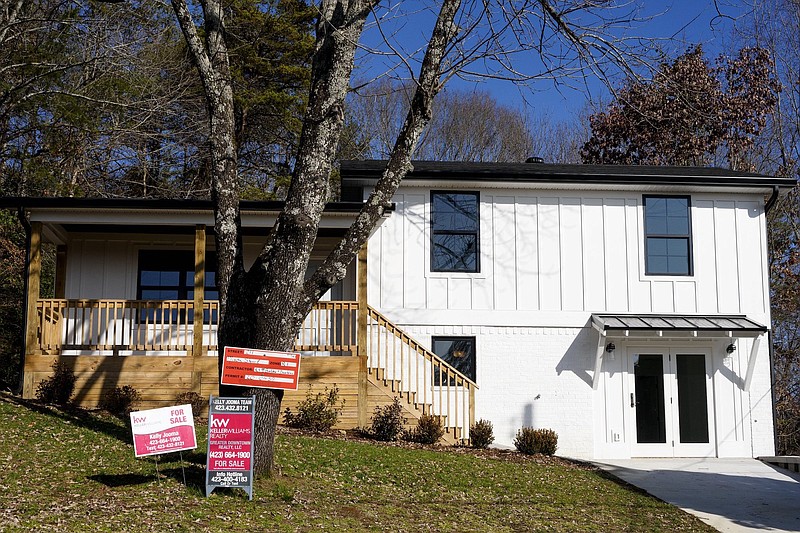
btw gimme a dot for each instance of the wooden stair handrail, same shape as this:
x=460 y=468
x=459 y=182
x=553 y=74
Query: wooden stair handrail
x=397 y=332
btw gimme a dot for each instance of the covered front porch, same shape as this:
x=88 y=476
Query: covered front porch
x=111 y=319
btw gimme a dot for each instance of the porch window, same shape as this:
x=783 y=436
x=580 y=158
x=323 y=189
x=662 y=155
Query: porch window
x=668 y=235
x=455 y=232
x=458 y=352
x=169 y=275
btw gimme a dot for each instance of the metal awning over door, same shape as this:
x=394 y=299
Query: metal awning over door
x=631 y=326
x=710 y=326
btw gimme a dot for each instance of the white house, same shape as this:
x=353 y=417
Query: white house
x=627 y=308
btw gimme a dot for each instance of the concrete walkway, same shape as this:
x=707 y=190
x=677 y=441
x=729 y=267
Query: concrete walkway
x=727 y=494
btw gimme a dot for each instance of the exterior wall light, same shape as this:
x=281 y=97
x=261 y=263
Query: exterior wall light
x=610 y=347
x=730 y=348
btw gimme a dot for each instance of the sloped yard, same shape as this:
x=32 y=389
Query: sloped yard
x=75 y=471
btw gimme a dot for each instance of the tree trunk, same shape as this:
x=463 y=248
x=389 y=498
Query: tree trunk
x=265 y=306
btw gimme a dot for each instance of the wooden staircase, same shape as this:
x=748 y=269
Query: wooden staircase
x=424 y=382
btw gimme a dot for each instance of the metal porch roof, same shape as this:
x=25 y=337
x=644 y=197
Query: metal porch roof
x=709 y=324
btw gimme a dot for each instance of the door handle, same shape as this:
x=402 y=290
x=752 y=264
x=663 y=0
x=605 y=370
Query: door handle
x=633 y=403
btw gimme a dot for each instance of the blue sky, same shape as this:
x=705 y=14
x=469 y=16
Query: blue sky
x=677 y=24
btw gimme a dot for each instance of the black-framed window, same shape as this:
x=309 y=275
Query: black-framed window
x=458 y=352
x=455 y=231
x=668 y=235
x=169 y=275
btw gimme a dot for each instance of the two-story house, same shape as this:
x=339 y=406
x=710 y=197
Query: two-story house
x=627 y=308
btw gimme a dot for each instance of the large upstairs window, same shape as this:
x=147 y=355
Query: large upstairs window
x=668 y=235
x=455 y=232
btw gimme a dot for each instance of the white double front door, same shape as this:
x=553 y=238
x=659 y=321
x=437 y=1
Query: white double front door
x=670 y=410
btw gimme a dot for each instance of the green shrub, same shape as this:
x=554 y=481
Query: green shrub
x=530 y=441
x=428 y=431
x=481 y=434
x=197 y=402
x=318 y=412
x=58 y=388
x=120 y=401
x=387 y=422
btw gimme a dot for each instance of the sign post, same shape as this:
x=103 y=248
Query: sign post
x=231 y=424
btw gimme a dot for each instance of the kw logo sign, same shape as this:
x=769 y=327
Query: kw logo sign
x=139 y=419
x=220 y=422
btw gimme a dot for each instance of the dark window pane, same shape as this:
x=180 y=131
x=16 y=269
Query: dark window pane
x=457 y=352
x=657 y=264
x=169 y=278
x=677 y=248
x=455 y=252
x=454 y=232
x=677 y=207
x=657 y=225
x=150 y=277
x=677 y=265
x=692 y=404
x=159 y=294
x=677 y=226
x=668 y=236
x=656 y=246
x=649 y=396
x=455 y=212
x=656 y=207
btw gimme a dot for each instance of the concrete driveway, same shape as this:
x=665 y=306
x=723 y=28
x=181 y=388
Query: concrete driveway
x=727 y=494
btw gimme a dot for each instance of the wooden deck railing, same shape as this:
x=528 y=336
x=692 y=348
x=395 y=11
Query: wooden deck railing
x=123 y=325
x=424 y=378
x=168 y=325
x=330 y=327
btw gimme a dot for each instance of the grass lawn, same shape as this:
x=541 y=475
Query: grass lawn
x=76 y=471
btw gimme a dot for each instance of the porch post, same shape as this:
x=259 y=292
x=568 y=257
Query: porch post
x=199 y=298
x=361 y=334
x=34 y=275
x=61 y=271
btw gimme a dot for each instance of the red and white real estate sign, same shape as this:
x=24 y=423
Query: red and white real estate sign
x=230 y=443
x=163 y=430
x=248 y=367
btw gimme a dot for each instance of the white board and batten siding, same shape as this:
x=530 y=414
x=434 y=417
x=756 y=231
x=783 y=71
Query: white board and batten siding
x=583 y=254
x=548 y=259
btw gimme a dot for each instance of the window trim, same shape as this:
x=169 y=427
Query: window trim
x=434 y=233
x=452 y=338
x=687 y=237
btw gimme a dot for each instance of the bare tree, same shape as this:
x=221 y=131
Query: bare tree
x=774 y=26
x=264 y=306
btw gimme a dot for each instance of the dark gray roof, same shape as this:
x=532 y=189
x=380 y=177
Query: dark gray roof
x=356 y=171
x=608 y=322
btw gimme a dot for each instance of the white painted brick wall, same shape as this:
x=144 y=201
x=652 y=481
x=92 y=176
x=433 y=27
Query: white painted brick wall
x=539 y=377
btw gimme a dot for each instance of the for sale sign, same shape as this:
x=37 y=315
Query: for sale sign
x=163 y=430
x=247 y=367
x=230 y=443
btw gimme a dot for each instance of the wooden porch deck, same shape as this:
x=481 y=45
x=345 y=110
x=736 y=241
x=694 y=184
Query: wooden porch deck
x=161 y=350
